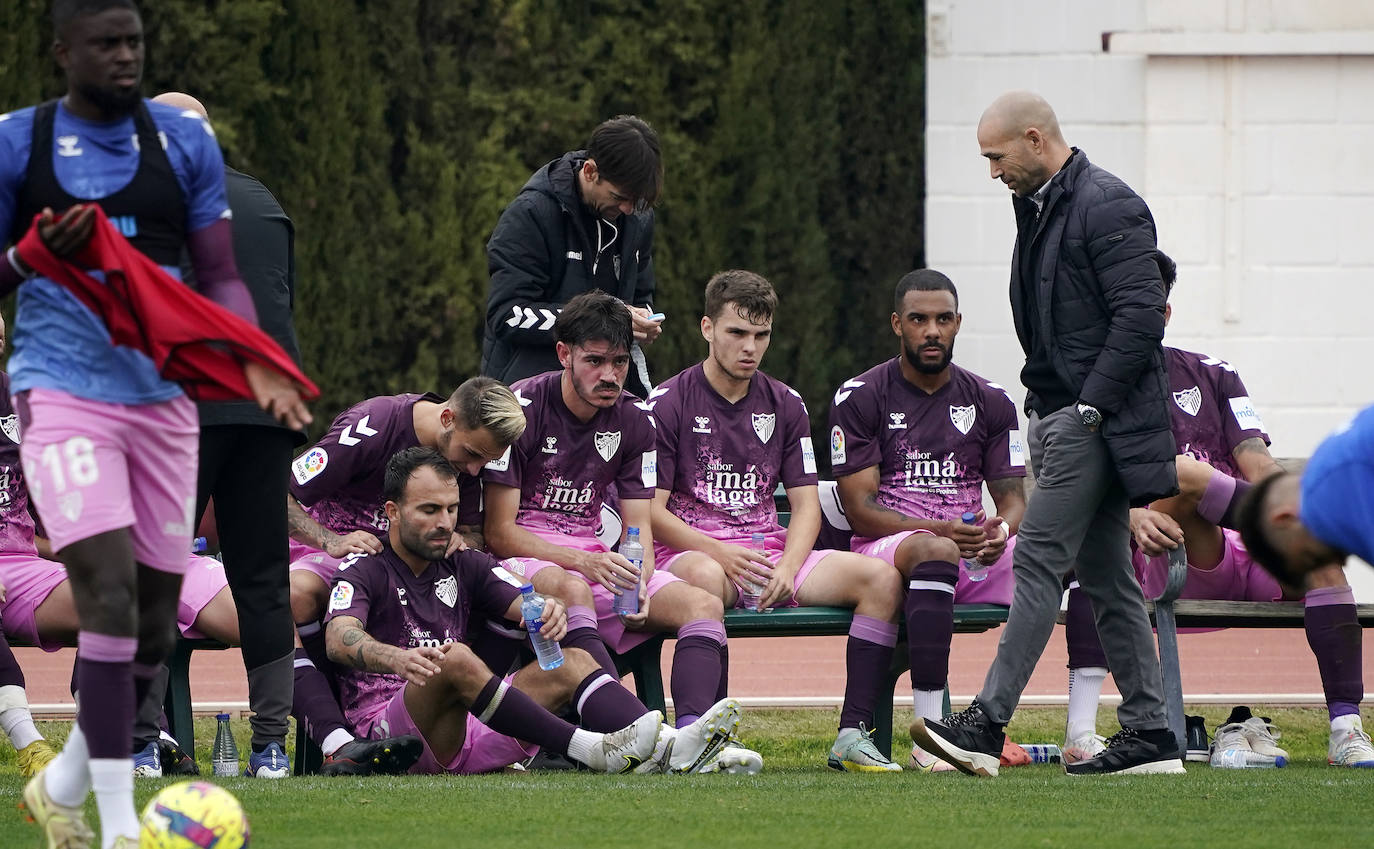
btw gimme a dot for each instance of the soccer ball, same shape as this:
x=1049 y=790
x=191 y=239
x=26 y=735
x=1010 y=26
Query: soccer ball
x=194 y=815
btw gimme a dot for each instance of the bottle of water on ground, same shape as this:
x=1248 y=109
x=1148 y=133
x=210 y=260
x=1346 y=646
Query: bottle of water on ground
x=1246 y=759
x=632 y=550
x=548 y=652
x=1043 y=753
x=751 y=592
x=975 y=570
x=225 y=755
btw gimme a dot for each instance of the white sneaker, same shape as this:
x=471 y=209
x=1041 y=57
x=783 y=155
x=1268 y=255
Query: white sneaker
x=698 y=744
x=923 y=761
x=1350 y=747
x=1261 y=735
x=736 y=760
x=623 y=750
x=1083 y=747
x=663 y=750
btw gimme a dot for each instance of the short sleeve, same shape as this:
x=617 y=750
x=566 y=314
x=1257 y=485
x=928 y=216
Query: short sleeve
x=1004 y=453
x=331 y=464
x=352 y=591
x=798 y=454
x=667 y=413
x=492 y=586
x=1239 y=419
x=638 y=473
x=207 y=200
x=855 y=441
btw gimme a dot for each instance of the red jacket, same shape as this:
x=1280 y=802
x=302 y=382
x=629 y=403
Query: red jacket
x=192 y=340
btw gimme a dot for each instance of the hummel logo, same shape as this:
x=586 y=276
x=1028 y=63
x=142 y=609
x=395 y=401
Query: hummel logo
x=703 y=425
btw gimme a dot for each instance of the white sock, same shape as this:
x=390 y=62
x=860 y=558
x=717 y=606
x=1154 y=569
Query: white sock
x=580 y=749
x=1346 y=722
x=1085 y=688
x=68 y=777
x=113 y=782
x=337 y=739
x=928 y=704
x=18 y=724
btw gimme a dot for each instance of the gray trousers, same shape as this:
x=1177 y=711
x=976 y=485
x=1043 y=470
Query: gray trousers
x=1078 y=518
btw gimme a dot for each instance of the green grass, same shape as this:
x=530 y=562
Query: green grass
x=797 y=802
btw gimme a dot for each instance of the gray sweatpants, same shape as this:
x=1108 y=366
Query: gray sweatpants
x=1078 y=518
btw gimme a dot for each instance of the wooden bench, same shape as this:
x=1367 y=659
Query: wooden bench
x=645 y=660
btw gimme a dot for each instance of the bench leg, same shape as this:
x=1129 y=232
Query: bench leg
x=177 y=703
x=882 y=717
x=1167 y=635
x=309 y=758
x=644 y=662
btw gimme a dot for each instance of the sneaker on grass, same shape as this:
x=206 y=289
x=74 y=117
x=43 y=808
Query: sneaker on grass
x=1349 y=744
x=387 y=756
x=175 y=761
x=1199 y=750
x=621 y=751
x=63 y=827
x=148 y=762
x=1132 y=751
x=1086 y=746
x=854 y=752
x=696 y=745
x=269 y=763
x=968 y=740
x=33 y=757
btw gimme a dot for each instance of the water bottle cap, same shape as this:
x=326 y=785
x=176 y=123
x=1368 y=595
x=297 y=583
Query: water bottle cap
x=222 y=717
x=527 y=588
x=970 y=518
x=633 y=532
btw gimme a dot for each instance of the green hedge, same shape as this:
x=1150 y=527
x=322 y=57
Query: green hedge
x=394 y=133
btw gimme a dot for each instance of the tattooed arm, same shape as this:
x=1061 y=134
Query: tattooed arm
x=349 y=645
x=1254 y=460
x=302 y=528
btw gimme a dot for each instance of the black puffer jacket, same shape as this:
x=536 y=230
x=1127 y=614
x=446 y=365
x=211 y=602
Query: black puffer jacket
x=540 y=256
x=1101 y=315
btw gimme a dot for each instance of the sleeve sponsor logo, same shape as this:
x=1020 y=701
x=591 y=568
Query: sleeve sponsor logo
x=837 y=457
x=648 y=469
x=508 y=569
x=309 y=465
x=1245 y=414
x=1016 y=449
x=342 y=596
x=808 y=452
x=502 y=463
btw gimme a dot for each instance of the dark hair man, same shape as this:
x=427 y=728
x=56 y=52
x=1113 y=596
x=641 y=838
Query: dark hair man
x=585 y=221
x=1089 y=311
x=544 y=499
x=912 y=442
x=107 y=441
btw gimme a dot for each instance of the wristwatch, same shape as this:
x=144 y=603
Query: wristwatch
x=1090 y=415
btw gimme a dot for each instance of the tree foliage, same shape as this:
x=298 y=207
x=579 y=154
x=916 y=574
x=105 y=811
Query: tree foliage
x=395 y=132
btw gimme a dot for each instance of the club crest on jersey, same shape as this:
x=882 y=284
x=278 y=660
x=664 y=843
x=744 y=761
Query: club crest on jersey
x=446 y=590
x=10 y=425
x=897 y=421
x=606 y=444
x=963 y=417
x=1189 y=400
x=703 y=425
x=550 y=445
x=764 y=423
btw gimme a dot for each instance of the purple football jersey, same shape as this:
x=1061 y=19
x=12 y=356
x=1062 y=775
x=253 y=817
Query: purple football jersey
x=400 y=608
x=1212 y=413
x=17 y=530
x=721 y=462
x=339 y=480
x=933 y=452
x=563 y=466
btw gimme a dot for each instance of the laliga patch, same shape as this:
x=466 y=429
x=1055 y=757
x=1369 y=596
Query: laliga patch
x=648 y=469
x=342 y=596
x=1016 y=449
x=500 y=464
x=808 y=455
x=309 y=465
x=837 y=457
x=1245 y=414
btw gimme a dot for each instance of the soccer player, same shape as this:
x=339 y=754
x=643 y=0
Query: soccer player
x=108 y=443
x=398 y=621
x=727 y=434
x=912 y=441
x=334 y=512
x=1223 y=448
x=584 y=221
x=544 y=500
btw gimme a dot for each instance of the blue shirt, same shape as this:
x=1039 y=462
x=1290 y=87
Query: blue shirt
x=1337 y=503
x=58 y=342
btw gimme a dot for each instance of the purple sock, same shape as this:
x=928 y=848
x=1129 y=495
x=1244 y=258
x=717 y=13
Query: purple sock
x=604 y=704
x=10 y=673
x=582 y=634
x=1333 y=632
x=106 y=681
x=696 y=669
x=1080 y=631
x=312 y=702
x=506 y=710
x=312 y=638
x=867 y=658
x=930 y=622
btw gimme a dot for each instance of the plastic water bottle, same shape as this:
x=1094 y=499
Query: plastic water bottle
x=750 y=592
x=975 y=570
x=633 y=551
x=1043 y=753
x=225 y=756
x=548 y=652
x=199 y=545
x=1245 y=759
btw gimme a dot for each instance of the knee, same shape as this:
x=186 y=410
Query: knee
x=700 y=572
x=560 y=584
x=461 y=666
x=577 y=665
x=879 y=581
x=307 y=599
x=703 y=605
x=927 y=548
